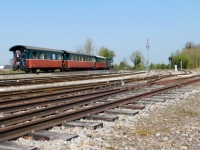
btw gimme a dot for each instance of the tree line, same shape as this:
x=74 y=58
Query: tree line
x=189 y=56
x=88 y=48
x=136 y=57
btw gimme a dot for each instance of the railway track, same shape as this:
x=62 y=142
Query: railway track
x=72 y=89
x=61 y=108
x=13 y=73
x=21 y=81
x=79 y=88
x=52 y=79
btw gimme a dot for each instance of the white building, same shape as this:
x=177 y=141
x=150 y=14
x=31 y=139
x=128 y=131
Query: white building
x=1 y=67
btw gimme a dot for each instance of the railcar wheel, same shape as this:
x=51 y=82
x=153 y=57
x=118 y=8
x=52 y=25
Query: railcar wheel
x=27 y=71
x=33 y=70
x=14 y=68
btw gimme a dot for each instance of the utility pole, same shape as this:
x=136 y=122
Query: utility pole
x=170 y=62
x=181 y=64
x=147 y=64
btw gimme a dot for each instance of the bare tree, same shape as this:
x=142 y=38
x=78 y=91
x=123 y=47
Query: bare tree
x=189 y=45
x=80 y=49
x=87 y=48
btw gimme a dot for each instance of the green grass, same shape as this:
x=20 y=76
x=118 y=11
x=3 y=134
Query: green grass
x=188 y=113
x=144 y=132
x=10 y=71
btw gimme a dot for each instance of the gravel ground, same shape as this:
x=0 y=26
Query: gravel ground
x=172 y=125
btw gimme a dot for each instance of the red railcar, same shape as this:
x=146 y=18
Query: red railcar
x=50 y=59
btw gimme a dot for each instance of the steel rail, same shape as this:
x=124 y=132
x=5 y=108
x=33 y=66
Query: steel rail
x=43 y=80
x=46 y=101
x=52 y=109
x=9 y=95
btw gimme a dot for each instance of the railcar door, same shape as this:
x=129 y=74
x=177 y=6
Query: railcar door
x=63 y=62
x=95 y=66
x=27 y=57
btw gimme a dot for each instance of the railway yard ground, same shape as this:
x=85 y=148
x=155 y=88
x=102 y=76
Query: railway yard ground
x=126 y=111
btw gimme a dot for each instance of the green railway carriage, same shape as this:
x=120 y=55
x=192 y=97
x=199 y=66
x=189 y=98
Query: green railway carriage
x=38 y=58
x=100 y=62
x=78 y=61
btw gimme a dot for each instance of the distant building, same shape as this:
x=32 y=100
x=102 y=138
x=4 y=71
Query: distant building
x=5 y=67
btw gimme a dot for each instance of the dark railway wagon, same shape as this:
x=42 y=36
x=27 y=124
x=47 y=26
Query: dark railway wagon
x=109 y=63
x=33 y=58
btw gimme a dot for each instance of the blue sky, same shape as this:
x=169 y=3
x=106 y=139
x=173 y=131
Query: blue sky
x=120 y=25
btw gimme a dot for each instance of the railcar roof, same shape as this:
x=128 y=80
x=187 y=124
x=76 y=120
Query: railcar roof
x=17 y=47
x=70 y=52
x=101 y=57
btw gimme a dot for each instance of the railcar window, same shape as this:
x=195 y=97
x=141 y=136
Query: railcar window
x=41 y=55
x=58 y=56
x=53 y=56
x=75 y=58
x=71 y=57
x=34 y=56
x=47 y=56
x=81 y=58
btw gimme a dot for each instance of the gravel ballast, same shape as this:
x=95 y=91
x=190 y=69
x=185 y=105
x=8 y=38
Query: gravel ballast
x=174 y=124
